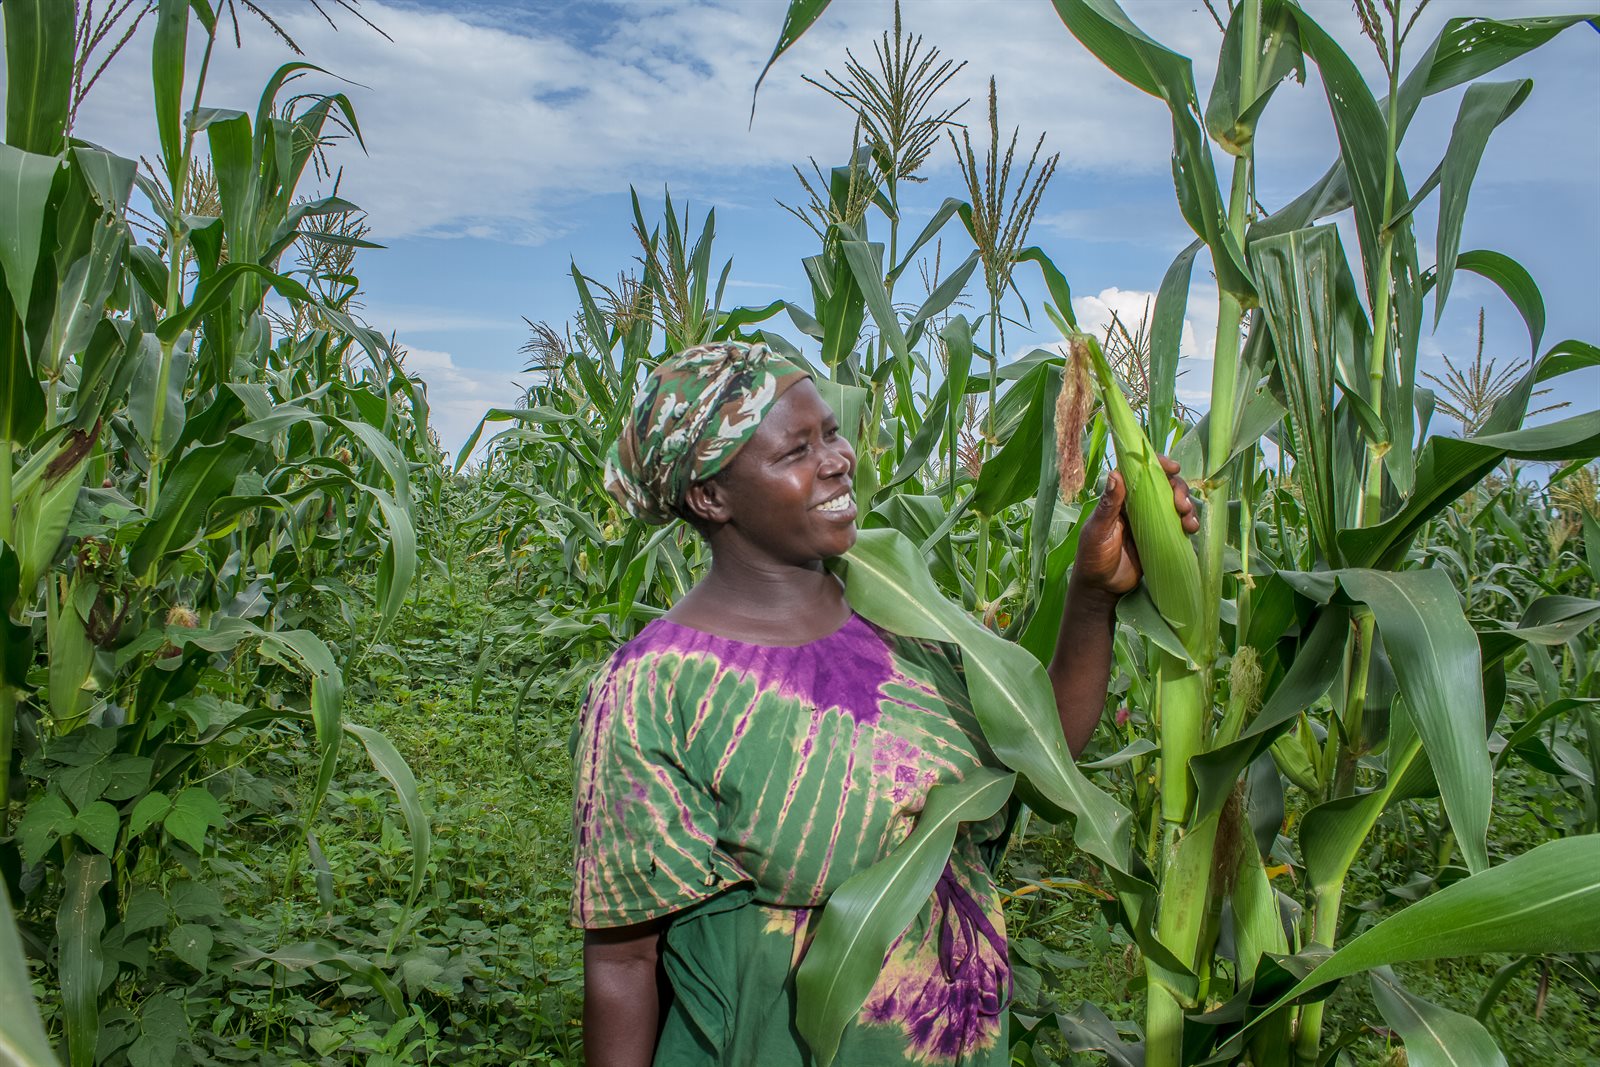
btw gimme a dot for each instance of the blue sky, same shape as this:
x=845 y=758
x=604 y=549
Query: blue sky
x=503 y=137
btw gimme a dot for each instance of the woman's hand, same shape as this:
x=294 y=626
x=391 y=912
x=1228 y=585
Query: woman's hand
x=1107 y=567
x=1107 y=561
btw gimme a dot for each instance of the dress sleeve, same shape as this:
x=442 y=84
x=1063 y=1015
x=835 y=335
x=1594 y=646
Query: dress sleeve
x=644 y=828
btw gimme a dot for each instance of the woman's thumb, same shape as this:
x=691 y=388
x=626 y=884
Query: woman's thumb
x=1115 y=493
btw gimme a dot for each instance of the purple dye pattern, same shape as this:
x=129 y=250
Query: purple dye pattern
x=846 y=669
x=956 y=1008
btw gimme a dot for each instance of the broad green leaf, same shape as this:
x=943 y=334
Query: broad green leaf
x=386 y=759
x=873 y=907
x=80 y=920
x=1166 y=333
x=45 y=822
x=1448 y=467
x=166 y=77
x=25 y=180
x=150 y=810
x=191 y=943
x=1434 y=1036
x=1310 y=317
x=1435 y=658
x=193 y=812
x=22 y=1039
x=1545 y=900
x=888 y=583
x=203 y=476
x=97 y=824
x=1485 y=106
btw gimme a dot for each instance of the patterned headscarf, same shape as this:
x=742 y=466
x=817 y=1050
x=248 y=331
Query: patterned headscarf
x=691 y=417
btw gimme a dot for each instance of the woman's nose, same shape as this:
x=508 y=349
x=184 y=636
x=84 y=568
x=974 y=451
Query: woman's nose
x=841 y=459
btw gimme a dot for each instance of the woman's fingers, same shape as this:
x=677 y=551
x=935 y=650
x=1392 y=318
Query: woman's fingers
x=1182 y=502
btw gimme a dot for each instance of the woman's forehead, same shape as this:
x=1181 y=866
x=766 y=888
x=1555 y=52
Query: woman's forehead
x=797 y=412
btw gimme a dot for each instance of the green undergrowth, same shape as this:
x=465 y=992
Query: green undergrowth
x=488 y=970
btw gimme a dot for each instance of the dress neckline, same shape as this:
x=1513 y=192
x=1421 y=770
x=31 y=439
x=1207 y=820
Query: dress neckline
x=673 y=623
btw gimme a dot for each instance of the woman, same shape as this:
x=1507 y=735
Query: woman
x=760 y=743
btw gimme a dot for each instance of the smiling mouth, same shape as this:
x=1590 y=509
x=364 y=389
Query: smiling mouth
x=840 y=503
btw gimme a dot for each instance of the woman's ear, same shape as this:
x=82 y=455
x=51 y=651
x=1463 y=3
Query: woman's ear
x=707 y=502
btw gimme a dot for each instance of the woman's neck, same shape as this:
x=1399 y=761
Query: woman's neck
x=764 y=599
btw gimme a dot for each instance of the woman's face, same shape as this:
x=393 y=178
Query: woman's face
x=788 y=491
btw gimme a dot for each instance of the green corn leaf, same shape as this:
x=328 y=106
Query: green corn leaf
x=887 y=581
x=39 y=45
x=1012 y=474
x=1434 y=1036
x=1448 y=467
x=80 y=920
x=1105 y=30
x=1545 y=900
x=22 y=1040
x=166 y=76
x=203 y=476
x=25 y=181
x=1513 y=279
x=873 y=907
x=1166 y=332
x=1231 y=119
x=386 y=759
x=1312 y=317
x=306 y=954
x=1485 y=106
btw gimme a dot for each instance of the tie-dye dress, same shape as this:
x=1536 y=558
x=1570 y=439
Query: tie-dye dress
x=734 y=786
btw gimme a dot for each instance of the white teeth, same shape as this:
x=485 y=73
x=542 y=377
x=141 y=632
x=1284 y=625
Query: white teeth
x=838 y=503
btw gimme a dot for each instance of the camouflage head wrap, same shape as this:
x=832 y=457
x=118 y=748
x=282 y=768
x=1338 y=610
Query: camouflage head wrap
x=691 y=417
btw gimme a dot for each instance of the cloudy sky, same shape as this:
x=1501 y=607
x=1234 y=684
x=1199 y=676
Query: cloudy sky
x=502 y=139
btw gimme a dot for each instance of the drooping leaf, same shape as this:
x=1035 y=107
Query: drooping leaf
x=874 y=906
x=1485 y=106
x=887 y=581
x=1434 y=1036
x=22 y=1039
x=25 y=180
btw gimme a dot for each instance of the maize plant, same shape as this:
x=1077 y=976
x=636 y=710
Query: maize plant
x=189 y=472
x=1329 y=661
x=1308 y=656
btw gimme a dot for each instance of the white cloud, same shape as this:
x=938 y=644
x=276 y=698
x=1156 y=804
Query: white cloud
x=1197 y=343
x=485 y=130
x=458 y=396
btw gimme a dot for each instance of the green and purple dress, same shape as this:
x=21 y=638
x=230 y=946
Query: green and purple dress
x=734 y=786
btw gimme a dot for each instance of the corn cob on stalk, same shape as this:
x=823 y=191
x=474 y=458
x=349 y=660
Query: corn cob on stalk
x=1171 y=571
